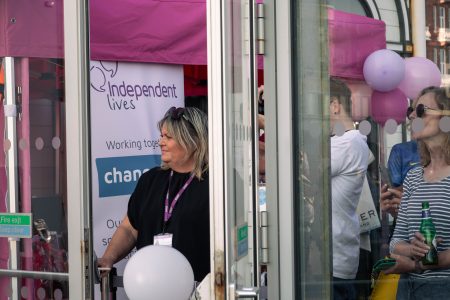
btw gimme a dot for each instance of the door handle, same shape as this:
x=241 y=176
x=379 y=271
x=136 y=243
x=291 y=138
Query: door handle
x=250 y=292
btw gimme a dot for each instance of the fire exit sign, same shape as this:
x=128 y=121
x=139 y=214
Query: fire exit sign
x=15 y=225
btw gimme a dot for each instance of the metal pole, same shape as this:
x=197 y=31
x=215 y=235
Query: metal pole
x=418 y=27
x=105 y=286
x=108 y=289
x=34 y=274
x=10 y=110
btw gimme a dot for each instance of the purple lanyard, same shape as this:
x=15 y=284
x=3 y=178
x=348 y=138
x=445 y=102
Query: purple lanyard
x=168 y=211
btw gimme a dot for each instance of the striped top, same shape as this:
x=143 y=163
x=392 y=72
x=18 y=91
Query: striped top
x=415 y=191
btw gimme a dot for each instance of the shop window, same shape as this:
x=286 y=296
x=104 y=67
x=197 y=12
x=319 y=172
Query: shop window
x=448 y=61
x=442 y=60
x=352 y=6
x=441 y=17
x=435 y=18
x=448 y=17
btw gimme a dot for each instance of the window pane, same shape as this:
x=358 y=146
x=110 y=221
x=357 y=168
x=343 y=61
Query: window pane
x=35 y=146
x=341 y=235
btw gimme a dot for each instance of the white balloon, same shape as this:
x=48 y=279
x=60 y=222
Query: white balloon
x=160 y=273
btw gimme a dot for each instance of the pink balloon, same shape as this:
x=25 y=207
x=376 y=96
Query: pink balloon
x=389 y=105
x=384 y=70
x=361 y=94
x=420 y=73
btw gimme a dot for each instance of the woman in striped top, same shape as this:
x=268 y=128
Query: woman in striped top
x=431 y=182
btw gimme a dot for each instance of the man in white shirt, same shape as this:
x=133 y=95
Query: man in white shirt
x=349 y=160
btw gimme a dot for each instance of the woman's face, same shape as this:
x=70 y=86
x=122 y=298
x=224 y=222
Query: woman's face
x=430 y=118
x=171 y=152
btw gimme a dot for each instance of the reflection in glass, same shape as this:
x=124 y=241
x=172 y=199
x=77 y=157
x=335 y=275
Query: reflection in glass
x=23 y=145
x=39 y=143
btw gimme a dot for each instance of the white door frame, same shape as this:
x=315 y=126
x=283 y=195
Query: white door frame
x=76 y=54
x=216 y=149
x=279 y=150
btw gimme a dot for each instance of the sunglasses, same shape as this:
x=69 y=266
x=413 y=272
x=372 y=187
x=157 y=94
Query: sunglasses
x=421 y=110
x=176 y=113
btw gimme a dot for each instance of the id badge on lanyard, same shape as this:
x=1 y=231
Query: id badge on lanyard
x=163 y=239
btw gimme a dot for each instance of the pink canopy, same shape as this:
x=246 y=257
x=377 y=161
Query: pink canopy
x=163 y=31
x=31 y=29
x=151 y=31
x=351 y=39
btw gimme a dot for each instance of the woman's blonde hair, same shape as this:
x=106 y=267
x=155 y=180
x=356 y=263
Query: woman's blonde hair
x=189 y=127
x=442 y=98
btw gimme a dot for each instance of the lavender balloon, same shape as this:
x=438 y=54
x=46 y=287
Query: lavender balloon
x=384 y=70
x=389 y=105
x=420 y=73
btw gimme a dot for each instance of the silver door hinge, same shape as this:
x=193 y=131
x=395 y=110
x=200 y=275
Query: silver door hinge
x=264 y=234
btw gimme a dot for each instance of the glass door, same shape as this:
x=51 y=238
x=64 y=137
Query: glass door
x=40 y=208
x=242 y=150
x=33 y=217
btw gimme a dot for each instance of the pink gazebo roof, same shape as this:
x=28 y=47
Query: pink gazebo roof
x=162 y=31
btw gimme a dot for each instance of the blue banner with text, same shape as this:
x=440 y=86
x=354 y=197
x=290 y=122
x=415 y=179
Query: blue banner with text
x=119 y=175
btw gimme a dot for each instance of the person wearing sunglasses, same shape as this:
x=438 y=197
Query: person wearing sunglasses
x=170 y=204
x=429 y=182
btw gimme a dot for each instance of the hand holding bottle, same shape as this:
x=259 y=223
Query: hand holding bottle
x=418 y=247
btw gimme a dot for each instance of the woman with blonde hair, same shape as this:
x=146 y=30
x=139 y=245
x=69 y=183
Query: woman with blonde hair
x=170 y=204
x=431 y=183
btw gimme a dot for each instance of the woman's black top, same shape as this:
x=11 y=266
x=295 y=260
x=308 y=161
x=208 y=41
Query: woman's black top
x=189 y=223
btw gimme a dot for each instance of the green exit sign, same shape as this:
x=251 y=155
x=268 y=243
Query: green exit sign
x=16 y=225
x=242 y=240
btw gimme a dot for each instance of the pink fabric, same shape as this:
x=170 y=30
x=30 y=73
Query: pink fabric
x=3 y=15
x=31 y=29
x=351 y=39
x=164 y=31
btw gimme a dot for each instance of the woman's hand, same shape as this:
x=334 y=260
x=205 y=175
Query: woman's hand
x=390 y=200
x=122 y=241
x=104 y=265
x=403 y=264
x=418 y=248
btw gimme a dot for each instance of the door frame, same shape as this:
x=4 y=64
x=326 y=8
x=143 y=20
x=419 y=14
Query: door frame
x=279 y=148
x=76 y=34
x=279 y=137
